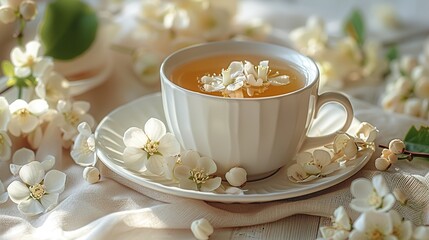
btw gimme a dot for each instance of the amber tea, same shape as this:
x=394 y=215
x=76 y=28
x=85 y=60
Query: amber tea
x=219 y=75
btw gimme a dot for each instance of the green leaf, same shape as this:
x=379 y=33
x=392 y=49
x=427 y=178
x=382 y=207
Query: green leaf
x=68 y=28
x=355 y=27
x=417 y=140
x=8 y=68
x=392 y=54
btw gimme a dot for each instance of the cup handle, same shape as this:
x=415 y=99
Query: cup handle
x=312 y=142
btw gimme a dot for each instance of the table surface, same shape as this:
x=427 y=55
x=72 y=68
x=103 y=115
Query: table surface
x=123 y=86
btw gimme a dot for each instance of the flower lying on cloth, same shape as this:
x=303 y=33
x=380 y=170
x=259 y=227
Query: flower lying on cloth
x=146 y=149
x=38 y=192
x=24 y=156
x=201 y=229
x=341 y=225
x=83 y=149
x=196 y=173
x=322 y=162
x=238 y=77
x=373 y=195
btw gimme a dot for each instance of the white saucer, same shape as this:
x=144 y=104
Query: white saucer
x=110 y=147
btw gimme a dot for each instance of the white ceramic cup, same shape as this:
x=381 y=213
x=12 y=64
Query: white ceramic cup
x=258 y=134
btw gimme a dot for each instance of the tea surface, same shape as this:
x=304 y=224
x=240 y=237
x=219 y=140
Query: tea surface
x=188 y=74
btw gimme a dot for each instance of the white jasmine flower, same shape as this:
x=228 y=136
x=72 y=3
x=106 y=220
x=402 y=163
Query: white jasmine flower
x=83 y=150
x=25 y=116
x=310 y=38
x=421 y=87
x=10 y=10
x=372 y=225
x=402 y=229
x=38 y=192
x=201 y=229
x=5 y=146
x=146 y=149
x=318 y=163
x=236 y=176
x=344 y=146
x=341 y=226
x=71 y=114
x=91 y=175
x=297 y=173
x=371 y=196
x=3 y=194
x=367 y=132
x=28 y=59
x=257 y=76
x=231 y=79
x=421 y=233
x=24 y=156
x=396 y=146
x=389 y=155
x=51 y=86
x=196 y=173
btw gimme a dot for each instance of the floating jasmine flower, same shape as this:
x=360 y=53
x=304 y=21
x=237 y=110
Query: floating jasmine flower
x=24 y=156
x=146 y=149
x=5 y=146
x=196 y=173
x=201 y=229
x=3 y=194
x=231 y=79
x=341 y=226
x=318 y=163
x=236 y=176
x=371 y=196
x=38 y=192
x=71 y=114
x=372 y=225
x=83 y=150
x=25 y=116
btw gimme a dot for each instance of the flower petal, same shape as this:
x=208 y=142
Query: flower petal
x=30 y=207
x=49 y=200
x=135 y=159
x=207 y=164
x=236 y=68
x=14 y=128
x=211 y=184
x=48 y=162
x=279 y=80
x=32 y=48
x=155 y=164
x=55 y=181
x=32 y=173
x=154 y=129
x=187 y=184
x=380 y=185
x=304 y=157
x=38 y=107
x=168 y=145
x=361 y=205
x=182 y=172
x=190 y=158
x=135 y=137
x=17 y=105
x=361 y=188
x=23 y=156
x=18 y=191
x=84 y=129
x=388 y=202
x=321 y=157
x=3 y=197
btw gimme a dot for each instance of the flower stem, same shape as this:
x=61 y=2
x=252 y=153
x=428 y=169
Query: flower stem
x=20 y=35
x=410 y=154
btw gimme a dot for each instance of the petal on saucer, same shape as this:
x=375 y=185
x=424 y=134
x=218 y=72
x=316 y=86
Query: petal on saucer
x=135 y=137
x=182 y=172
x=135 y=159
x=207 y=164
x=168 y=145
x=155 y=129
x=211 y=184
x=155 y=164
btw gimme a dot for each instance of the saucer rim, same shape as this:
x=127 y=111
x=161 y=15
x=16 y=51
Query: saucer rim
x=304 y=189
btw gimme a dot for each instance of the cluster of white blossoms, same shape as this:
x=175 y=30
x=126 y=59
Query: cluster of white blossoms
x=407 y=89
x=324 y=161
x=152 y=150
x=341 y=61
x=243 y=78
x=13 y=10
x=166 y=26
x=377 y=219
x=389 y=155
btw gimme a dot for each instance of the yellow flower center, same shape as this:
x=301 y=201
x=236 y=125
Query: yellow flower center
x=23 y=112
x=72 y=118
x=151 y=147
x=375 y=199
x=199 y=177
x=37 y=191
x=376 y=235
x=30 y=61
